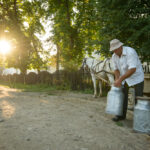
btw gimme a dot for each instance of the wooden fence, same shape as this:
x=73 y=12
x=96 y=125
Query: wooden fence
x=77 y=80
x=74 y=80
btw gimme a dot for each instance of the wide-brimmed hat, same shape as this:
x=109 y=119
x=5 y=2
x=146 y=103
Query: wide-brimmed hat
x=114 y=44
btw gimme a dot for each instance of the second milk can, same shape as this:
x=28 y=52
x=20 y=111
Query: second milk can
x=141 y=121
x=115 y=101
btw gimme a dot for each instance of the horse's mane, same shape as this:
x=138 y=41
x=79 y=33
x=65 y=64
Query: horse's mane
x=93 y=55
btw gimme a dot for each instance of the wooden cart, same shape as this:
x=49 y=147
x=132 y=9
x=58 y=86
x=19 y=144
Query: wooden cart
x=146 y=92
x=147 y=84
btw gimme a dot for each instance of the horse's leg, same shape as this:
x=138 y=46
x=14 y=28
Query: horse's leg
x=94 y=85
x=100 y=88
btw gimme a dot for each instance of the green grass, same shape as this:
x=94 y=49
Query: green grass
x=43 y=87
x=32 y=88
x=90 y=91
x=87 y=91
x=40 y=87
x=120 y=124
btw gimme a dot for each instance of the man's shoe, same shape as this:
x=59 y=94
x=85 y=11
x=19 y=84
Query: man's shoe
x=117 y=118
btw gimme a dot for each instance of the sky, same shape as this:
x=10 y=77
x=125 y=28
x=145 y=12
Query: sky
x=43 y=37
x=47 y=34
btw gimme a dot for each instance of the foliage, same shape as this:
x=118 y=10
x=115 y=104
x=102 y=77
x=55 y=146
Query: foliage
x=128 y=21
x=65 y=33
x=77 y=27
x=26 y=46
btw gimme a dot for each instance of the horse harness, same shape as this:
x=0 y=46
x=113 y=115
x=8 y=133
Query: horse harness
x=94 y=67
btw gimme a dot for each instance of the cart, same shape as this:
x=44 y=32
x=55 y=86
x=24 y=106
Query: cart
x=146 y=91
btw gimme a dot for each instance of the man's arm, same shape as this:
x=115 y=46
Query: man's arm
x=117 y=74
x=126 y=75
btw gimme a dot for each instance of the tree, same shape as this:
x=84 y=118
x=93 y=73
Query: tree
x=65 y=32
x=128 y=21
x=14 y=15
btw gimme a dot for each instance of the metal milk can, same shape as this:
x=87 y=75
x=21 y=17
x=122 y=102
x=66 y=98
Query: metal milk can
x=141 y=119
x=115 y=101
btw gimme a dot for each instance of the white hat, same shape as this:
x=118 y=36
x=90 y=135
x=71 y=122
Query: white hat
x=114 y=44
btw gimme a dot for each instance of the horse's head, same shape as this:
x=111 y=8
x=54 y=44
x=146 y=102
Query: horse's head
x=84 y=65
x=109 y=68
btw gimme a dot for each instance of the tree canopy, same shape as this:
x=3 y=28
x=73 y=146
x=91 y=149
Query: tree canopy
x=78 y=26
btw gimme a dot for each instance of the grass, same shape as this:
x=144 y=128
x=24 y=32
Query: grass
x=120 y=124
x=90 y=91
x=45 y=88
x=41 y=87
x=87 y=91
x=32 y=87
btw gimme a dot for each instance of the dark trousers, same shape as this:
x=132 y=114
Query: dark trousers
x=138 y=92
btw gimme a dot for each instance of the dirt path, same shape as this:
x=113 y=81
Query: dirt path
x=63 y=121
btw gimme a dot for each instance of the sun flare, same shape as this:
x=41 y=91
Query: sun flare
x=5 y=47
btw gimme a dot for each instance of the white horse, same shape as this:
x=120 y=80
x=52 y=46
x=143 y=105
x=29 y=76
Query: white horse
x=99 y=70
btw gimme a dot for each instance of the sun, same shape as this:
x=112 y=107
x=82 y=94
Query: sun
x=5 y=47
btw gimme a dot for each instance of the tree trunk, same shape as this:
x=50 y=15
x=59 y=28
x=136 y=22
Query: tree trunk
x=69 y=25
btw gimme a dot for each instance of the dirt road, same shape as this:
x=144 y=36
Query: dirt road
x=63 y=121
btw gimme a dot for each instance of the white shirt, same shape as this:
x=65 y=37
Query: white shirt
x=129 y=59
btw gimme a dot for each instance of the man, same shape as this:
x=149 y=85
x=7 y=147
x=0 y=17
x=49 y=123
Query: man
x=128 y=72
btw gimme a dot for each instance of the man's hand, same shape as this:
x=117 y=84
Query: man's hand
x=118 y=82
